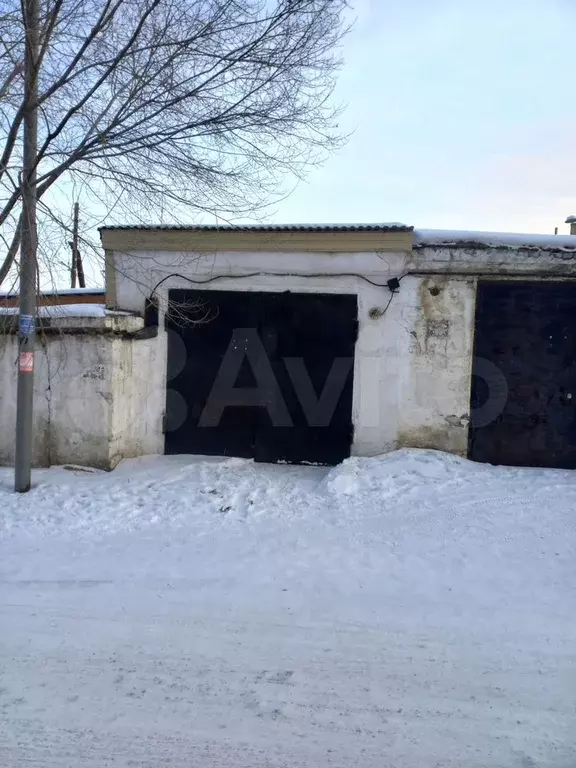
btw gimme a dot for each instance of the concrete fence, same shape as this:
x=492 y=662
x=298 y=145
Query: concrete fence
x=94 y=402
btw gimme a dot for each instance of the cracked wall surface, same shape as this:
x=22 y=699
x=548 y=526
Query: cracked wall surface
x=413 y=358
x=70 y=405
x=95 y=400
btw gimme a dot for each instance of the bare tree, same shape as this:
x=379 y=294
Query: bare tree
x=166 y=109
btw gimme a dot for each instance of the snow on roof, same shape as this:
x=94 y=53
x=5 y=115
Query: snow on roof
x=483 y=240
x=571 y=220
x=61 y=292
x=68 y=310
x=382 y=227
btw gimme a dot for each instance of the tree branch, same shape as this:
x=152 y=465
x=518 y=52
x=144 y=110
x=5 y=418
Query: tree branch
x=12 y=252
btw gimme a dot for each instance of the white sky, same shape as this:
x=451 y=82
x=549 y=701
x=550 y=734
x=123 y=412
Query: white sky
x=464 y=116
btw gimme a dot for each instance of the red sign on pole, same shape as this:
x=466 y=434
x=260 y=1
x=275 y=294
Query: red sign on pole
x=26 y=362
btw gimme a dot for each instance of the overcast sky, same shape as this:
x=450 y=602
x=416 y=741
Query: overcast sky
x=464 y=116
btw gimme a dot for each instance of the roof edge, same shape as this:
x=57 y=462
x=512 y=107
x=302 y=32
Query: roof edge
x=319 y=239
x=478 y=240
x=381 y=227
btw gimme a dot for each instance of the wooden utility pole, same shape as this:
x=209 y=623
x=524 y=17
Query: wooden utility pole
x=28 y=258
x=80 y=270
x=74 y=246
x=77 y=266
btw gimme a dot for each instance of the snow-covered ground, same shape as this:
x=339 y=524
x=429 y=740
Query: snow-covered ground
x=411 y=610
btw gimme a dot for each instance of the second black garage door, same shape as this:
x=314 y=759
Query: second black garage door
x=261 y=375
x=524 y=382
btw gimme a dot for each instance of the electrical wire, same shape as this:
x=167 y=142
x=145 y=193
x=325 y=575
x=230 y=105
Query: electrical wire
x=392 y=294
x=274 y=274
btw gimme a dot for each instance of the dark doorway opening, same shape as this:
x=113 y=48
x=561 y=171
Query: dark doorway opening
x=261 y=375
x=523 y=402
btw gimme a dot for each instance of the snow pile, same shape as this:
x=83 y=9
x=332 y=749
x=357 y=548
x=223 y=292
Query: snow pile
x=394 y=471
x=406 y=610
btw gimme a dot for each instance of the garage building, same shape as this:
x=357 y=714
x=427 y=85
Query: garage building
x=311 y=343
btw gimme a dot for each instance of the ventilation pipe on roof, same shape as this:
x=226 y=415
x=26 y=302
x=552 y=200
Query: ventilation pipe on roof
x=572 y=221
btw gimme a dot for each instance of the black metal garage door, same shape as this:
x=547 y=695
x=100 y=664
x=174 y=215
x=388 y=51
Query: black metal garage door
x=524 y=383
x=262 y=375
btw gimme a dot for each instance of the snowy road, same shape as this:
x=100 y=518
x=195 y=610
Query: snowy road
x=410 y=610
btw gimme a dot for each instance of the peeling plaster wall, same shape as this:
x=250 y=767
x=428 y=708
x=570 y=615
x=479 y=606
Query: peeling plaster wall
x=71 y=400
x=437 y=368
x=138 y=397
x=494 y=261
x=412 y=366
x=101 y=397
